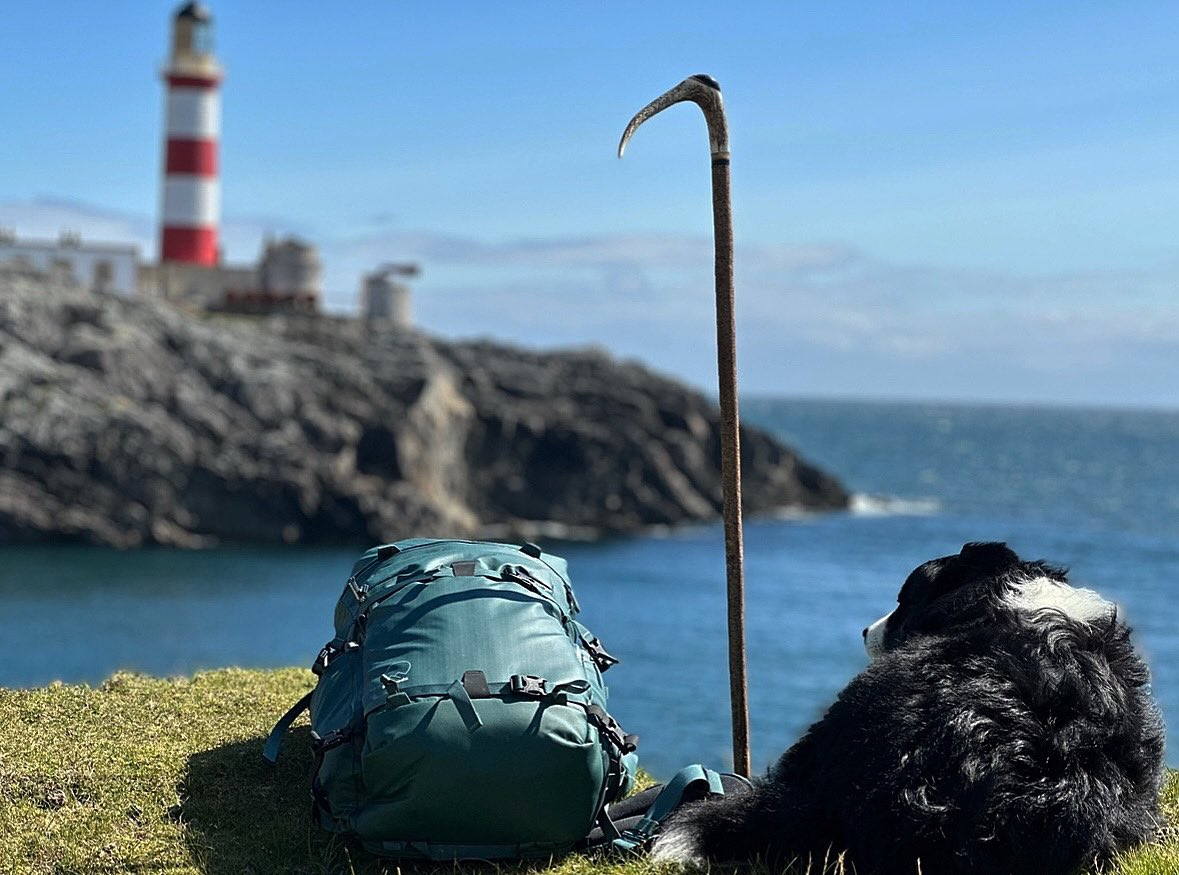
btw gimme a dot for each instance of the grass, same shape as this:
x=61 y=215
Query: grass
x=143 y=775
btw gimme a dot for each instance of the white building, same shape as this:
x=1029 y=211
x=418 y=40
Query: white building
x=100 y=267
x=286 y=278
x=382 y=298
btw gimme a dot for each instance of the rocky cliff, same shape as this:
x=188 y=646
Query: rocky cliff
x=129 y=422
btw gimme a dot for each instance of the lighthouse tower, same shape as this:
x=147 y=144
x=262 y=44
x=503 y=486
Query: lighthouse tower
x=191 y=196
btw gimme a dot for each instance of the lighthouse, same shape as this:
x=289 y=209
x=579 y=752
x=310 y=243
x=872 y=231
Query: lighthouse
x=191 y=195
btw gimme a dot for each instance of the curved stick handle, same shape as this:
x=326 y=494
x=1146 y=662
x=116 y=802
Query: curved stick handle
x=700 y=89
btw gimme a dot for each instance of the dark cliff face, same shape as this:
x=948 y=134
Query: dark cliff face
x=128 y=423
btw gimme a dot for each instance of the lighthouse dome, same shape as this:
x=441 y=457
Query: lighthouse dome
x=194 y=12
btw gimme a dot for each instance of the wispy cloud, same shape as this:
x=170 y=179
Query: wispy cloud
x=47 y=217
x=648 y=250
x=824 y=318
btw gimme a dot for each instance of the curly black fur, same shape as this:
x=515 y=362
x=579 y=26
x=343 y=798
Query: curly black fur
x=986 y=738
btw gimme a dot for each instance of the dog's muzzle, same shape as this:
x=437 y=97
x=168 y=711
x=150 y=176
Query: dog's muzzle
x=874 y=637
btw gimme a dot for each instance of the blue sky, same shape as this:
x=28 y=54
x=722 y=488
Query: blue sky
x=931 y=200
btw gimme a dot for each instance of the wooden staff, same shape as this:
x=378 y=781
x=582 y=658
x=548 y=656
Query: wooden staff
x=705 y=93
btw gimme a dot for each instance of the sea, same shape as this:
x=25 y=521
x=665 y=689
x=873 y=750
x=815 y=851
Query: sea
x=1095 y=490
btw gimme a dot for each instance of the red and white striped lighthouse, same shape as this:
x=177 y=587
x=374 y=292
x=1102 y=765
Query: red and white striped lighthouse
x=191 y=197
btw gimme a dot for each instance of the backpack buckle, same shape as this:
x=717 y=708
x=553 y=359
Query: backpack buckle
x=518 y=574
x=329 y=652
x=323 y=659
x=528 y=685
x=322 y=744
x=609 y=728
x=358 y=592
x=601 y=656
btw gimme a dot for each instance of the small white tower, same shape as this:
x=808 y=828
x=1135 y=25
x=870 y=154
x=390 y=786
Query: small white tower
x=191 y=195
x=383 y=298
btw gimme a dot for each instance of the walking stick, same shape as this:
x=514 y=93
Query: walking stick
x=705 y=93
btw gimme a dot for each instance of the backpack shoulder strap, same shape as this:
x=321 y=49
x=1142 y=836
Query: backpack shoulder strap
x=274 y=740
x=631 y=824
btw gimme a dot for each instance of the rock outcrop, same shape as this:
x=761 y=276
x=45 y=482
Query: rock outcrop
x=128 y=423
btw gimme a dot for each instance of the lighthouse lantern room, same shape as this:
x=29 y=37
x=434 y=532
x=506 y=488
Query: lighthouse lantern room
x=191 y=202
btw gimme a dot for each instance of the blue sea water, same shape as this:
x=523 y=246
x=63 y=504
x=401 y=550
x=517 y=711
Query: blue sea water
x=1097 y=490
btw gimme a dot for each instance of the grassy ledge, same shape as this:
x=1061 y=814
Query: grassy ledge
x=143 y=775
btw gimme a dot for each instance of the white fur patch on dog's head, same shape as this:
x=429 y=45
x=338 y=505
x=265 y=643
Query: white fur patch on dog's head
x=1046 y=594
x=1028 y=595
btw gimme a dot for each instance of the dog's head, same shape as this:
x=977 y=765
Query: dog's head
x=970 y=588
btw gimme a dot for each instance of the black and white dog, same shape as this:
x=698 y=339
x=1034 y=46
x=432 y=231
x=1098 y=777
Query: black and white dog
x=1004 y=725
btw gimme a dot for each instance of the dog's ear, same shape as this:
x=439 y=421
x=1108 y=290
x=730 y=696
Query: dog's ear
x=988 y=559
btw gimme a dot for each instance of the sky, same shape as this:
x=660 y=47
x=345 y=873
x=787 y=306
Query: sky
x=973 y=202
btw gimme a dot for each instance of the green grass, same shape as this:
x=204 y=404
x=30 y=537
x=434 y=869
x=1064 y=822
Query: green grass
x=143 y=775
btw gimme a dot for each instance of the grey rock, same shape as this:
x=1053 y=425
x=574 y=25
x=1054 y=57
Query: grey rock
x=129 y=422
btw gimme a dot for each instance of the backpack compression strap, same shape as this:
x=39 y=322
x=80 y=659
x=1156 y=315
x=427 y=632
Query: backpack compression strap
x=274 y=740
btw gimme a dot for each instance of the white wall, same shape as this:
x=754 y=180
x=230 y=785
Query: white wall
x=83 y=259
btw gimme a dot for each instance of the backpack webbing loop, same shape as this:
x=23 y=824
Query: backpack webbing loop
x=457 y=693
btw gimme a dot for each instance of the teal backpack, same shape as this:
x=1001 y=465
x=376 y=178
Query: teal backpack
x=460 y=710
